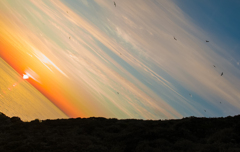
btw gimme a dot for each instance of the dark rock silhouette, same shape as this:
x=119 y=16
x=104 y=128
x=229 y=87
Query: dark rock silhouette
x=113 y=135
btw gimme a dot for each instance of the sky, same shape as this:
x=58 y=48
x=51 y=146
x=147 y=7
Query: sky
x=90 y=58
x=19 y=98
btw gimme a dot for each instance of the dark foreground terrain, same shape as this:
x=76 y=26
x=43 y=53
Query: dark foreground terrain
x=103 y=135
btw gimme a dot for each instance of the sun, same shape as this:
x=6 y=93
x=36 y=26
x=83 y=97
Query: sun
x=25 y=76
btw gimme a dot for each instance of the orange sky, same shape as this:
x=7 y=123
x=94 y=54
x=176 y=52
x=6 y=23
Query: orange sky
x=17 y=50
x=50 y=85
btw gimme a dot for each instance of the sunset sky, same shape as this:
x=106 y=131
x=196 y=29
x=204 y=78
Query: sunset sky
x=90 y=58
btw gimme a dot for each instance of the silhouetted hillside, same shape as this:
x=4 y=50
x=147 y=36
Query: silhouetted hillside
x=103 y=135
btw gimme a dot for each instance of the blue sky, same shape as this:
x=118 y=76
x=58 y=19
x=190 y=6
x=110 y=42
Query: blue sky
x=218 y=20
x=218 y=17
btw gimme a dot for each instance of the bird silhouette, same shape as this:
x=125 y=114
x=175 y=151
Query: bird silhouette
x=222 y=74
x=207 y=41
x=117 y=92
x=205 y=110
x=175 y=39
x=214 y=66
x=69 y=37
x=115 y=4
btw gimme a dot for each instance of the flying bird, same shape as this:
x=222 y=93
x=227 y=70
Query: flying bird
x=190 y=94
x=115 y=4
x=214 y=66
x=175 y=39
x=117 y=92
x=207 y=41
x=222 y=74
x=69 y=37
x=205 y=110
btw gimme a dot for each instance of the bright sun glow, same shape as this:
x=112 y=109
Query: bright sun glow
x=25 y=76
